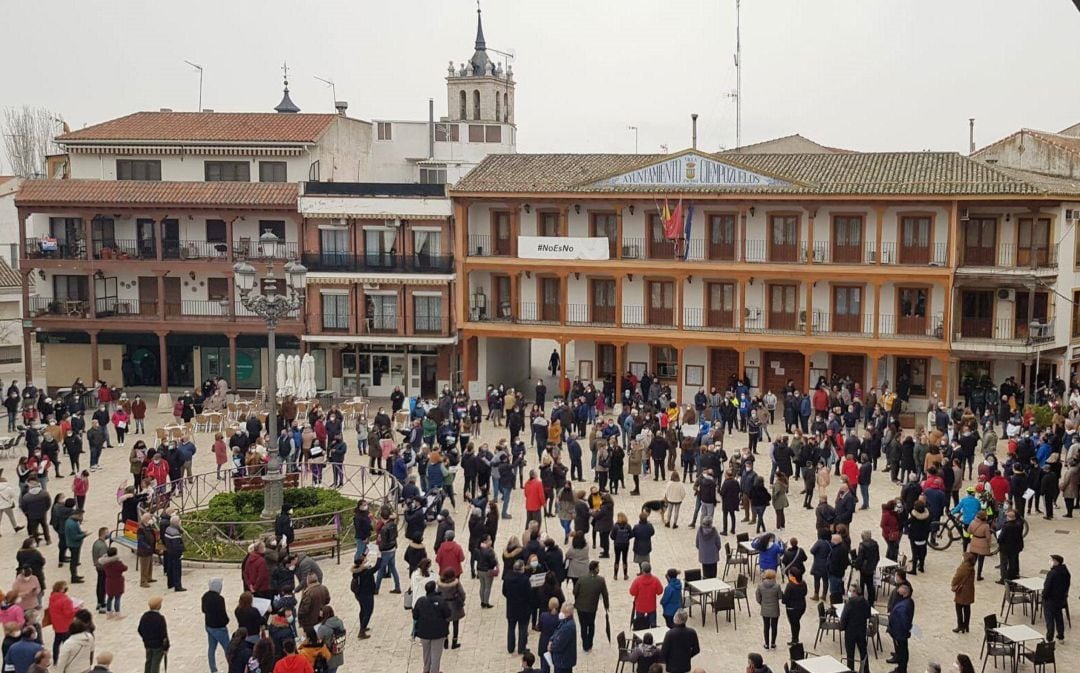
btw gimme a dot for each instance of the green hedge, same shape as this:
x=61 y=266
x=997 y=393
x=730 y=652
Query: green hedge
x=1044 y=415
x=247 y=505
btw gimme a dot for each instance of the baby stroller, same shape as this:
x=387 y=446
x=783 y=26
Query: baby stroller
x=433 y=504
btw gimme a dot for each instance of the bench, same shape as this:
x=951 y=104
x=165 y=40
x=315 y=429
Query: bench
x=127 y=536
x=255 y=482
x=313 y=539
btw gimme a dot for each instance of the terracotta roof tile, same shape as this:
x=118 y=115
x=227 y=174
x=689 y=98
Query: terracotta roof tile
x=860 y=173
x=262 y=195
x=239 y=127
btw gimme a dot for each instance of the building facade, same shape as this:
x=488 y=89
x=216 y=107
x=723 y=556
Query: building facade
x=931 y=267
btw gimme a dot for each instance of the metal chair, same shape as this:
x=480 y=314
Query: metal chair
x=797 y=652
x=1043 y=655
x=736 y=558
x=690 y=595
x=624 y=652
x=826 y=623
x=742 y=584
x=997 y=648
x=725 y=602
x=990 y=623
x=1017 y=595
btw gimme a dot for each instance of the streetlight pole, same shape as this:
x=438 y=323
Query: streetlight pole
x=271 y=305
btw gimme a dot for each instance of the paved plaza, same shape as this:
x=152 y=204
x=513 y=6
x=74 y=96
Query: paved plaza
x=483 y=631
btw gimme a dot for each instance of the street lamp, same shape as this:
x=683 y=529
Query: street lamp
x=274 y=302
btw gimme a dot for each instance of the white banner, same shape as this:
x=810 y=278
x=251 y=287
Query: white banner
x=549 y=247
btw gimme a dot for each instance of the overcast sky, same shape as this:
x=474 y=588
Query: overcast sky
x=861 y=74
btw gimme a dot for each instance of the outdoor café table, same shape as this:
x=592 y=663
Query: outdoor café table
x=752 y=552
x=657 y=632
x=821 y=665
x=1017 y=635
x=1034 y=586
x=705 y=590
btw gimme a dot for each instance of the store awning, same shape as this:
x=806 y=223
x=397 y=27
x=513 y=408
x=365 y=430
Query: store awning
x=374 y=208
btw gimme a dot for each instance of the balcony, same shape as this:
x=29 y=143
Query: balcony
x=533 y=312
x=383 y=324
x=334 y=262
x=48 y=307
x=586 y=314
x=911 y=327
x=712 y=321
x=1010 y=258
x=934 y=254
x=187 y=249
x=843 y=325
x=648 y=316
x=1002 y=335
x=53 y=248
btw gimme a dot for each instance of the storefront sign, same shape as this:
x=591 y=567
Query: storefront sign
x=692 y=169
x=550 y=247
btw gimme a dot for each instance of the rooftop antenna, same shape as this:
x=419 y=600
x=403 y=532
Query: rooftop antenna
x=635 y=130
x=329 y=83
x=737 y=94
x=200 y=69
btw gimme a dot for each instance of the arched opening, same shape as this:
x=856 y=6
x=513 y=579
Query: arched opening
x=498 y=108
x=476 y=104
x=506 y=107
x=464 y=105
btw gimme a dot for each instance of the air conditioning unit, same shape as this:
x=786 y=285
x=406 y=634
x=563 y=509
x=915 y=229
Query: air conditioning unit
x=1006 y=294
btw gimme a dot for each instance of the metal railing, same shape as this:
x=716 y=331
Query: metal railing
x=482 y=245
x=343 y=262
x=714 y=321
x=533 y=312
x=854 y=325
x=124 y=249
x=249 y=249
x=587 y=314
x=189 y=249
x=41 y=307
x=1004 y=330
x=934 y=254
x=48 y=248
x=112 y=307
x=911 y=327
x=1009 y=256
x=646 y=317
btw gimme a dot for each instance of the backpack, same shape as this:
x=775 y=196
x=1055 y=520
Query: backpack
x=178 y=408
x=337 y=642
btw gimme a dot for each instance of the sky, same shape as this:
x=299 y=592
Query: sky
x=859 y=74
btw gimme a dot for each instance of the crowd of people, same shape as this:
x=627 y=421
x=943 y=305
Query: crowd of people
x=456 y=454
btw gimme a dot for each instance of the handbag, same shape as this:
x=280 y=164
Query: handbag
x=494 y=572
x=408 y=599
x=316 y=452
x=46 y=619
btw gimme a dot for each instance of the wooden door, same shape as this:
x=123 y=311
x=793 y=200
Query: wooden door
x=500 y=226
x=723 y=365
x=911 y=310
x=847 y=239
x=661 y=298
x=1033 y=242
x=847 y=309
x=551 y=299
x=783 y=307
x=977 y=314
x=604 y=226
x=779 y=366
x=659 y=245
x=1040 y=301
x=148 y=295
x=722 y=238
x=783 y=238
x=980 y=242
x=914 y=240
x=720 y=305
x=602 y=292
x=172 y=295
x=504 y=303
x=852 y=366
x=170 y=239
x=547 y=224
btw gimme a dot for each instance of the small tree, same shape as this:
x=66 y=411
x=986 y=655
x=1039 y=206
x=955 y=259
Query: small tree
x=28 y=137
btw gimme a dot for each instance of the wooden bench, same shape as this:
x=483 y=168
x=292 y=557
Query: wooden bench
x=314 y=539
x=255 y=482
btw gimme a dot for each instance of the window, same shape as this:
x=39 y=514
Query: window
x=433 y=175
x=103 y=234
x=273 y=171
x=427 y=313
x=385 y=130
x=276 y=227
x=493 y=134
x=915 y=371
x=1076 y=314
x=463 y=112
x=382 y=311
x=547 y=224
x=334 y=245
x=498 y=107
x=138 y=169
x=665 y=362
x=335 y=311
x=215 y=231
x=217 y=289
x=426 y=243
x=476 y=133
x=605 y=360
x=448 y=132
x=227 y=171
x=506 y=107
x=1033 y=242
x=476 y=104
x=70 y=288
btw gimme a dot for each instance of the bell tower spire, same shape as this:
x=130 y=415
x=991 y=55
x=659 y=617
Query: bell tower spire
x=481 y=45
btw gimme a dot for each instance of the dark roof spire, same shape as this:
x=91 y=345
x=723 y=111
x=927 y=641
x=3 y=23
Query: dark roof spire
x=480 y=43
x=286 y=104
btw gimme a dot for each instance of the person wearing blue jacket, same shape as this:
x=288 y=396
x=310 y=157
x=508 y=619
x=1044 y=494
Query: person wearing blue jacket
x=563 y=644
x=820 y=551
x=769 y=552
x=968 y=507
x=671 y=599
x=901 y=617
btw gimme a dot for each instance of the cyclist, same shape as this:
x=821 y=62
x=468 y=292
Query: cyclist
x=967 y=508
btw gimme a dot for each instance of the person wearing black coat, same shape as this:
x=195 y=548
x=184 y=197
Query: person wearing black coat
x=680 y=646
x=866 y=562
x=658 y=449
x=853 y=621
x=1055 y=596
x=845 y=505
x=431 y=624
x=518 y=597
x=838 y=565
x=1010 y=544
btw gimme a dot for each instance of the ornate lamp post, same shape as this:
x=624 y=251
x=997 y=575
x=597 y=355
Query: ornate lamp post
x=275 y=301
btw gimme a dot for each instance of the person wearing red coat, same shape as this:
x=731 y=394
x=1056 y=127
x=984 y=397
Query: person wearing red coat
x=645 y=588
x=450 y=555
x=851 y=471
x=114 y=570
x=534 y=497
x=255 y=572
x=61 y=614
x=820 y=401
x=158 y=470
x=890 y=529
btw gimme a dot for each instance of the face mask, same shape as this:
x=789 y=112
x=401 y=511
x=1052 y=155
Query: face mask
x=535 y=564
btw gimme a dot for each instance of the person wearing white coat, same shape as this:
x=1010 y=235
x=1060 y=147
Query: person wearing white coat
x=77 y=652
x=8 y=496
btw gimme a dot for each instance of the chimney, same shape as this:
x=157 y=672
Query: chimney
x=971 y=135
x=165 y=109
x=693 y=124
x=206 y=109
x=431 y=127
x=341 y=106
